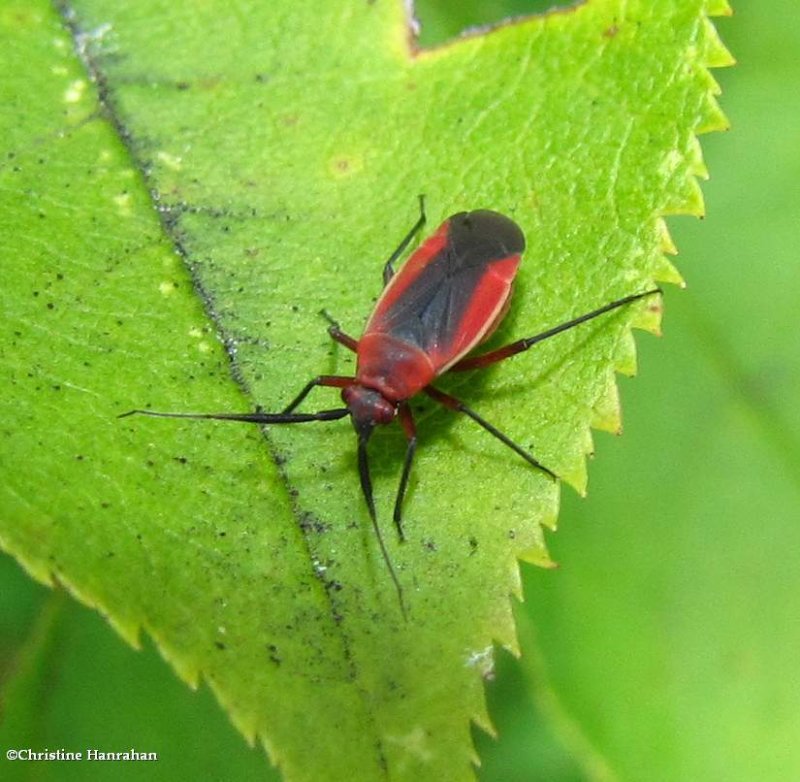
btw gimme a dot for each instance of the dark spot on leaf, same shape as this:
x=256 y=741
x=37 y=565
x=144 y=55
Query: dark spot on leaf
x=310 y=523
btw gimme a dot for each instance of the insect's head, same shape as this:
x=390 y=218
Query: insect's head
x=368 y=408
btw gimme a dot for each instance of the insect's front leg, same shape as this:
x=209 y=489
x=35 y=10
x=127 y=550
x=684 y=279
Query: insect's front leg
x=410 y=431
x=337 y=334
x=336 y=381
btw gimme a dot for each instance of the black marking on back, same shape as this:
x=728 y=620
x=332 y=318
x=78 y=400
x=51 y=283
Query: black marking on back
x=433 y=305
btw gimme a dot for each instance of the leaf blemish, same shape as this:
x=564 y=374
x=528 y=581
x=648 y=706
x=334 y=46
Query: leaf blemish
x=75 y=91
x=175 y=162
x=342 y=166
x=483 y=660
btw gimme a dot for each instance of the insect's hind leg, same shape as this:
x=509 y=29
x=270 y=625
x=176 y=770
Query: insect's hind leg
x=388 y=269
x=500 y=354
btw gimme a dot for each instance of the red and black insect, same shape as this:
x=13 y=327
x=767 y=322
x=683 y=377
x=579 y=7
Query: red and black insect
x=448 y=298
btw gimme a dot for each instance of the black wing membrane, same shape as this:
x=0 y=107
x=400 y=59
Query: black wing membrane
x=432 y=306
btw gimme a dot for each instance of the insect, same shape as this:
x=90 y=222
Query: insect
x=447 y=299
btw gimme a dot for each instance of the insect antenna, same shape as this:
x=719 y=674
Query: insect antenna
x=250 y=418
x=300 y=418
x=366 y=488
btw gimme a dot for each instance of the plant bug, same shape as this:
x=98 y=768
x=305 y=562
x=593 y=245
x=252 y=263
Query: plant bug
x=448 y=298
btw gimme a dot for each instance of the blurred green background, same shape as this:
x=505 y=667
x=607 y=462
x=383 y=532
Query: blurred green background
x=666 y=645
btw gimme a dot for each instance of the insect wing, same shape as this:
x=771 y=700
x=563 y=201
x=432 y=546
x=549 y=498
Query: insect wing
x=454 y=289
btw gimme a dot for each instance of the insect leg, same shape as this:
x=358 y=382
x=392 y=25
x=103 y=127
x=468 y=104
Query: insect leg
x=458 y=406
x=337 y=334
x=388 y=270
x=523 y=344
x=336 y=381
x=410 y=430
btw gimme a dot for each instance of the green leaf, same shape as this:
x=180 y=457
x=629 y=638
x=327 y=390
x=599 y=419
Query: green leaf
x=670 y=634
x=284 y=148
x=72 y=685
